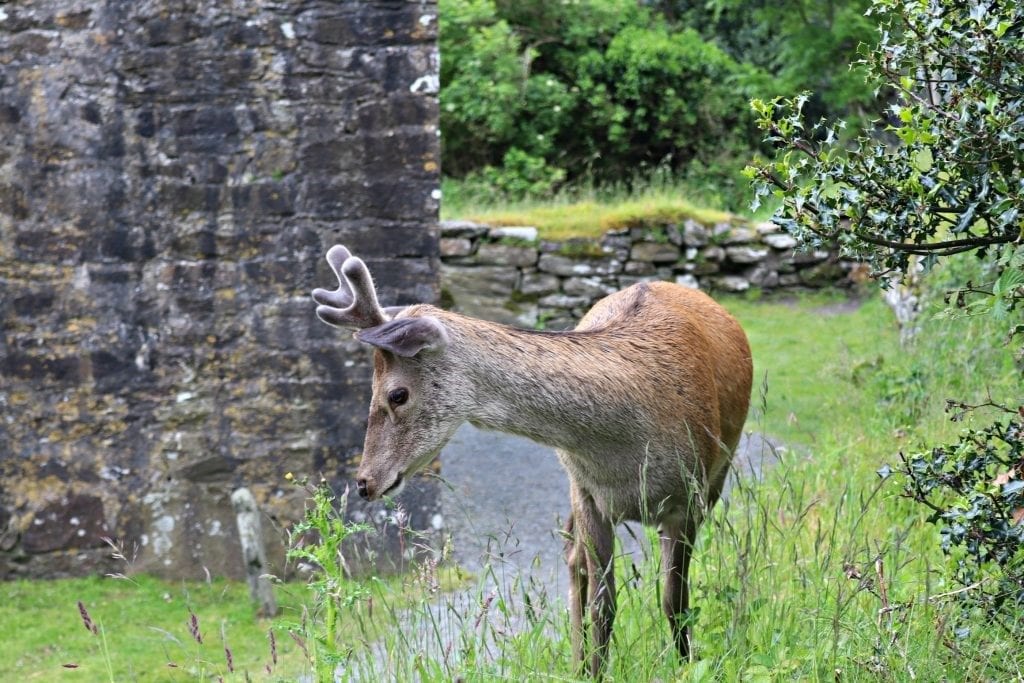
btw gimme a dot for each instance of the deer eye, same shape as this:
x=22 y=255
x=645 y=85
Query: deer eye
x=397 y=397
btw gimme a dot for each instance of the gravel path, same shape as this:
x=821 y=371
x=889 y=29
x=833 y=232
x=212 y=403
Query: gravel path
x=507 y=498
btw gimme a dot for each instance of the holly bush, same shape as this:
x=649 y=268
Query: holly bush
x=940 y=173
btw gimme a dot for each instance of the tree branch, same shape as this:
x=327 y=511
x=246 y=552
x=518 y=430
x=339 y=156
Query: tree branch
x=945 y=248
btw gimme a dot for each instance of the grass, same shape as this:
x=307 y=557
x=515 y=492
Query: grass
x=582 y=213
x=143 y=630
x=809 y=395
x=819 y=571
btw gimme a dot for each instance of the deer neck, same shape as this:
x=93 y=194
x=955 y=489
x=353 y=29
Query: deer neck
x=564 y=390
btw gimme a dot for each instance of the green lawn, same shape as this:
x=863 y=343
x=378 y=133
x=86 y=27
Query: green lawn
x=805 y=349
x=143 y=626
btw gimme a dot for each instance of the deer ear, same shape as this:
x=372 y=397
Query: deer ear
x=406 y=336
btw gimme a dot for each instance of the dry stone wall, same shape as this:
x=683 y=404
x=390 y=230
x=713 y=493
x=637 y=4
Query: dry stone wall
x=506 y=274
x=171 y=174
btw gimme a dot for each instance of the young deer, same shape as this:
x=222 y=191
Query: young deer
x=643 y=402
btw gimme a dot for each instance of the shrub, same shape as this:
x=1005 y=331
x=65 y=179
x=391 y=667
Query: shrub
x=535 y=94
x=940 y=175
x=974 y=488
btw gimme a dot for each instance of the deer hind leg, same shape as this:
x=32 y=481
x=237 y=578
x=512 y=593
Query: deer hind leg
x=677 y=541
x=591 y=583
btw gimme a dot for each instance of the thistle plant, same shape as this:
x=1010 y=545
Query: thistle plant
x=317 y=540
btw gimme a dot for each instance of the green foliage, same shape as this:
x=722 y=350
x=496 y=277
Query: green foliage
x=317 y=539
x=944 y=175
x=554 y=92
x=605 y=91
x=519 y=176
x=805 y=45
x=975 y=490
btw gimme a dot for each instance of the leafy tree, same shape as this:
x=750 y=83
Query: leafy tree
x=946 y=174
x=804 y=45
x=604 y=89
x=941 y=174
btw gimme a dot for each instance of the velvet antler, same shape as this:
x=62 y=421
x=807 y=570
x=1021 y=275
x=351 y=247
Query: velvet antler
x=354 y=302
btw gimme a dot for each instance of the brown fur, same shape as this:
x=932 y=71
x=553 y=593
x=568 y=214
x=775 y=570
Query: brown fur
x=644 y=403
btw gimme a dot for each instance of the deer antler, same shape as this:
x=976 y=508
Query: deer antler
x=354 y=302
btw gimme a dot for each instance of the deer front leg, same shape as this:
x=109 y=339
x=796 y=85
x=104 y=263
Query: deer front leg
x=577 y=563
x=594 y=587
x=677 y=540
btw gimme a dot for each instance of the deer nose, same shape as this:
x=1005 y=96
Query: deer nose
x=361 y=487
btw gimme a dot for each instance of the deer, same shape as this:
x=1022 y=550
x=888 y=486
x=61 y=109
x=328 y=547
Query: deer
x=644 y=403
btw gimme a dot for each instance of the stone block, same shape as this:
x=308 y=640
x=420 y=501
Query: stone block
x=713 y=253
x=455 y=246
x=467 y=229
x=520 y=232
x=654 y=252
x=73 y=521
x=616 y=242
x=737 y=234
x=638 y=268
x=730 y=283
x=745 y=254
x=687 y=281
x=779 y=240
x=705 y=268
x=763 y=276
x=563 y=301
x=539 y=284
x=694 y=234
x=590 y=288
x=803 y=258
x=630 y=280
x=497 y=254
x=566 y=266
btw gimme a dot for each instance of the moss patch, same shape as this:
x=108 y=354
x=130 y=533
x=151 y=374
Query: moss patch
x=561 y=221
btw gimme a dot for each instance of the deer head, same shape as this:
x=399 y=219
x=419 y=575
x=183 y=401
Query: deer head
x=412 y=415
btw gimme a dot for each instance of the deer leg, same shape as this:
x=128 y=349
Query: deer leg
x=576 y=562
x=677 y=542
x=595 y=542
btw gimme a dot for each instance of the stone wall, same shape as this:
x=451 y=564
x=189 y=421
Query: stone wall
x=506 y=274
x=171 y=174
